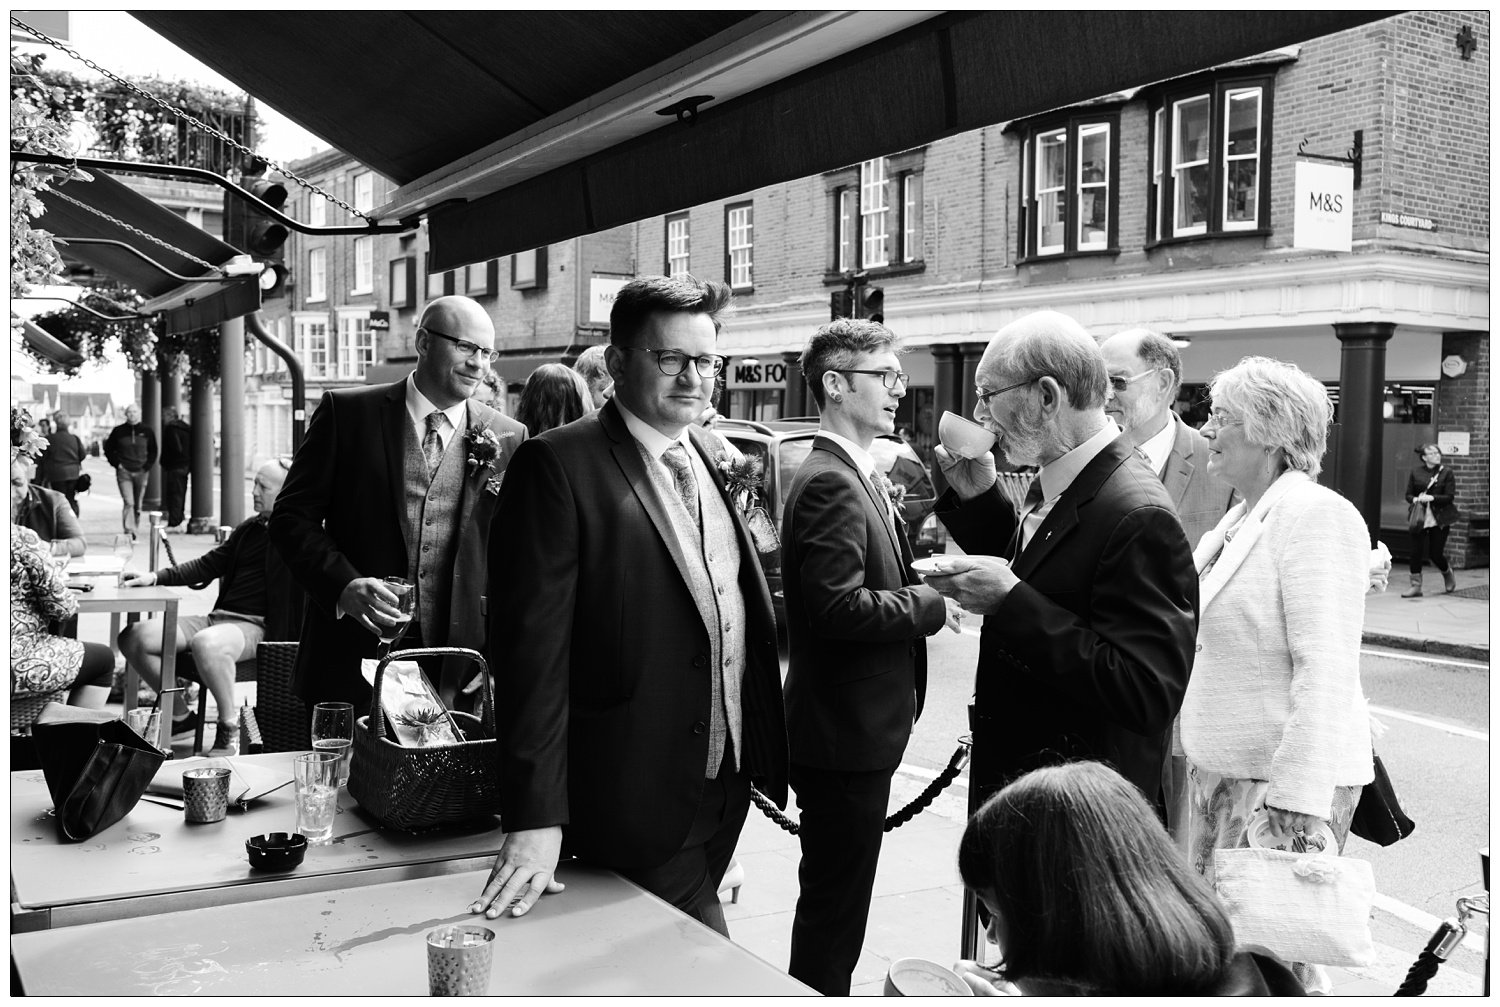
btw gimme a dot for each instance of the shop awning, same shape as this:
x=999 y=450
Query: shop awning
x=549 y=124
x=185 y=305
x=49 y=346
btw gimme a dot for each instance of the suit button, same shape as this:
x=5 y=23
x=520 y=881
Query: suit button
x=700 y=661
x=1198 y=649
x=699 y=727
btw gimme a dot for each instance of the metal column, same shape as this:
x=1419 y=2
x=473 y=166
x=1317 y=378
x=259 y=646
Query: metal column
x=1361 y=422
x=201 y=479
x=232 y=422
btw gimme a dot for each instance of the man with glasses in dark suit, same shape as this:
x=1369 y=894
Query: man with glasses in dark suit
x=631 y=631
x=397 y=480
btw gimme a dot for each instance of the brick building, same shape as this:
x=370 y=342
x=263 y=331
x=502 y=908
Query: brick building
x=1169 y=206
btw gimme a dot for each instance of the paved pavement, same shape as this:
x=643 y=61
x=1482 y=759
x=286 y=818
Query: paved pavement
x=917 y=900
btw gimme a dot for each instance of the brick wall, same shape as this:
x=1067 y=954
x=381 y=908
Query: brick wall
x=1463 y=404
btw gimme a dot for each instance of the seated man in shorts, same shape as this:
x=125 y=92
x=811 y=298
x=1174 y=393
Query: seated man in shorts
x=244 y=563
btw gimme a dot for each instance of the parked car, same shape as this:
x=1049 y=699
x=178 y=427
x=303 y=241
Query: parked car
x=782 y=445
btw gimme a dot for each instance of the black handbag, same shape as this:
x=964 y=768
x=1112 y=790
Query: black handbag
x=1378 y=817
x=96 y=767
x=1416 y=517
x=84 y=483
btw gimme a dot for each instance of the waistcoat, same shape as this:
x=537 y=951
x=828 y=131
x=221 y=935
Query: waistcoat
x=430 y=524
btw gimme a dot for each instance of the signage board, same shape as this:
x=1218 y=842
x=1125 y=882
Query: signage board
x=1323 y=214
x=602 y=291
x=1453 y=442
x=747 y=373
x=1407 y=220
x=380 y=321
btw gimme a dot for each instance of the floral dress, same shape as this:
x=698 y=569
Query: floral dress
x=39 y=661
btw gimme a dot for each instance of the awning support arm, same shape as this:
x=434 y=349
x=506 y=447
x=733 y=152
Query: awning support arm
x=142 y=255
x=204 y=175
x=133 y=316
x=294 y=368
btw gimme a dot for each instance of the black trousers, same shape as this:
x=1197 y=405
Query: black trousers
x=1430 y=543
x=174 y=494
x=843 y=822
x=690 y=879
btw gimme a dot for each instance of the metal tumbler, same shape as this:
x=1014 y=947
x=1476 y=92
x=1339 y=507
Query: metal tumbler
x=458 y=961
x=205 y=794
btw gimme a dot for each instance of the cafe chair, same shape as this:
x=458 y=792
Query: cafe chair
x=283 y=718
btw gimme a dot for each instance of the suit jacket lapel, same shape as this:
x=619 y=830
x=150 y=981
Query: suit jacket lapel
x=1063 y=517
x=473 y=481
x=1180 y=465
x=393 y=421
x=1237 y=549
x=833 y=448
x=628 y=456
x=749 y=555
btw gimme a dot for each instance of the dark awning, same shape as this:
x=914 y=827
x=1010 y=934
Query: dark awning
x=49 y=346
x=185 y=305
x=547 y=124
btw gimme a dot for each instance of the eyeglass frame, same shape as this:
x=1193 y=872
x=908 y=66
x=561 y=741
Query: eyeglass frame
x=1127 y=382
x=887 y=378
x=722 y=361
x=1215 y=416
x=468 y=349
x=985 y=398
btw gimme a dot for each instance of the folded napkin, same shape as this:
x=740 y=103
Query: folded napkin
x=247 y=782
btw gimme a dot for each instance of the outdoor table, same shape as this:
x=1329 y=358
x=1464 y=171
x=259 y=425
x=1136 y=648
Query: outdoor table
x=603 y=936
x=107 y=596
x=153 y=861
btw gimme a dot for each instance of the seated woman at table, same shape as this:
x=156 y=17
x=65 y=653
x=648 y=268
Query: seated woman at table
x=1087 y=896
x=44 y=511
x=41 y=663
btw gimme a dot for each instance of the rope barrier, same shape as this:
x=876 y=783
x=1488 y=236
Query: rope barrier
x=917 y=806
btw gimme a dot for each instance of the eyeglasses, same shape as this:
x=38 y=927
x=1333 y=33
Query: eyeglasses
x=984 y=397
x=465 y=347
x=674 y=362
x=1220 y=419
x=889 y=378
x=1119 y=383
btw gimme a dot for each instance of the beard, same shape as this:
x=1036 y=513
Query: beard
x=1024 y=440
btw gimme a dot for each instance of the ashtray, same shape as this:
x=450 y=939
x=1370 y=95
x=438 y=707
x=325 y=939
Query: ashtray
x=276 y=851
x=918 y=977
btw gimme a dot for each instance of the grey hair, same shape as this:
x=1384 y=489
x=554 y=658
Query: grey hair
x=1158 y=351
x=838 y=345
x=1281 y=406
x=1051 y=344
x=590 y=363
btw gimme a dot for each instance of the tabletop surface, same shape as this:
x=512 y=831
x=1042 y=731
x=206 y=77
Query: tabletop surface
x=602 y=936
x=152 y=850
x=109 y=596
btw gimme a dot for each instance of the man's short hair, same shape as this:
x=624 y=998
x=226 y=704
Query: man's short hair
x=1051 y=344
x=684 y=293
x=590 y=363
x=837 y=345
x=1157 y=351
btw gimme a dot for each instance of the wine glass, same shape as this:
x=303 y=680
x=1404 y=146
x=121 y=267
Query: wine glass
x=405 y=597
x=124 y=547
x=333 y=731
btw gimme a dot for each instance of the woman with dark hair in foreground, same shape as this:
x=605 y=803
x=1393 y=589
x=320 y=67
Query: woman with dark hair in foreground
x=1087 y=896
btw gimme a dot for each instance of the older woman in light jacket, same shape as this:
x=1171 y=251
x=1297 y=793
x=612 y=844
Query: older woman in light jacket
x=1274 y=718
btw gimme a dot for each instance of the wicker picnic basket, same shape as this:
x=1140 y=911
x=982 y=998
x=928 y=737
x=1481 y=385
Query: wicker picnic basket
x=417 y=788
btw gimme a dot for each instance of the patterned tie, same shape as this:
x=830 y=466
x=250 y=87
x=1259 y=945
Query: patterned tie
x=676 y=459
x=432 y=444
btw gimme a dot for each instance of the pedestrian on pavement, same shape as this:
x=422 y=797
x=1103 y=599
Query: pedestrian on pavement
x=176 y=462
x=1274 y=719
x=1431 y=489
x=631 y=630
x=590 y=364
x=857 y=618
x=1089 y=594
x=131 y=449
x=44 y=511
x=1145 y=373
x=1086 y=896
x=397 y=480
x=62 y=463
x=554 y=394
x=252 y=578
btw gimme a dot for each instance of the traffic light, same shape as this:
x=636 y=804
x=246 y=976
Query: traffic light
x=872 y=304
x=248 y=227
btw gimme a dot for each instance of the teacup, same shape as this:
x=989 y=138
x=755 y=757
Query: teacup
x=918 y=977
x=964 y=438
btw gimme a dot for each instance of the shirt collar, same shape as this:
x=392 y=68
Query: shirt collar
x=418 y=406
x=1159 y=446
x=1059 y=474
x=653 y=440
x=857 y=454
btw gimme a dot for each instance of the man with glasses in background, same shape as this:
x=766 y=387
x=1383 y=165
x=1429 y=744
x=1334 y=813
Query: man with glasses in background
x=397 y=480
x=1089 y=593
x=631 y=629
x=857 y=618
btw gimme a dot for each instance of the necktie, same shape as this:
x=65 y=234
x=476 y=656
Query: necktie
x=675 y=458
x=1034 y=499
x=432 y=444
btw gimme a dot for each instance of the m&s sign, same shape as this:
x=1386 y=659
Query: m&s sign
x=755 y=374
x=1324 y=207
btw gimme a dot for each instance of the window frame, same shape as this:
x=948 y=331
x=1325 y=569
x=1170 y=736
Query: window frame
x=362 y=255
x=685 y=219
x=538 y=280
x=903 y=220
x=491 y=278
x=730 y=248
x=406 y=269
x=302 y=344
x=444 y=282
x=363 y=201
x=354 y=357
x=317 y=210
x=1161 y=217
x=317 y=275
x=1072 y=129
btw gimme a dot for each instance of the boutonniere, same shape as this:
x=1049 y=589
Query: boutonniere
x=895 y=492
x=744 y=481
x=484 y=449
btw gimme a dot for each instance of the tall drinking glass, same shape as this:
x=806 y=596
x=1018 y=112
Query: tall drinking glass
x=405 y=597
x=316 y=777
x=333 y=731
x=124 y=547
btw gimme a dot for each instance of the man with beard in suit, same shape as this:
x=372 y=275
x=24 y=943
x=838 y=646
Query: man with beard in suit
x=397 y=480
x=631 y=631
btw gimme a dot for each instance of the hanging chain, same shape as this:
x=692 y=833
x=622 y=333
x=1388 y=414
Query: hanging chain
x=180 y=113
x=134 y=230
